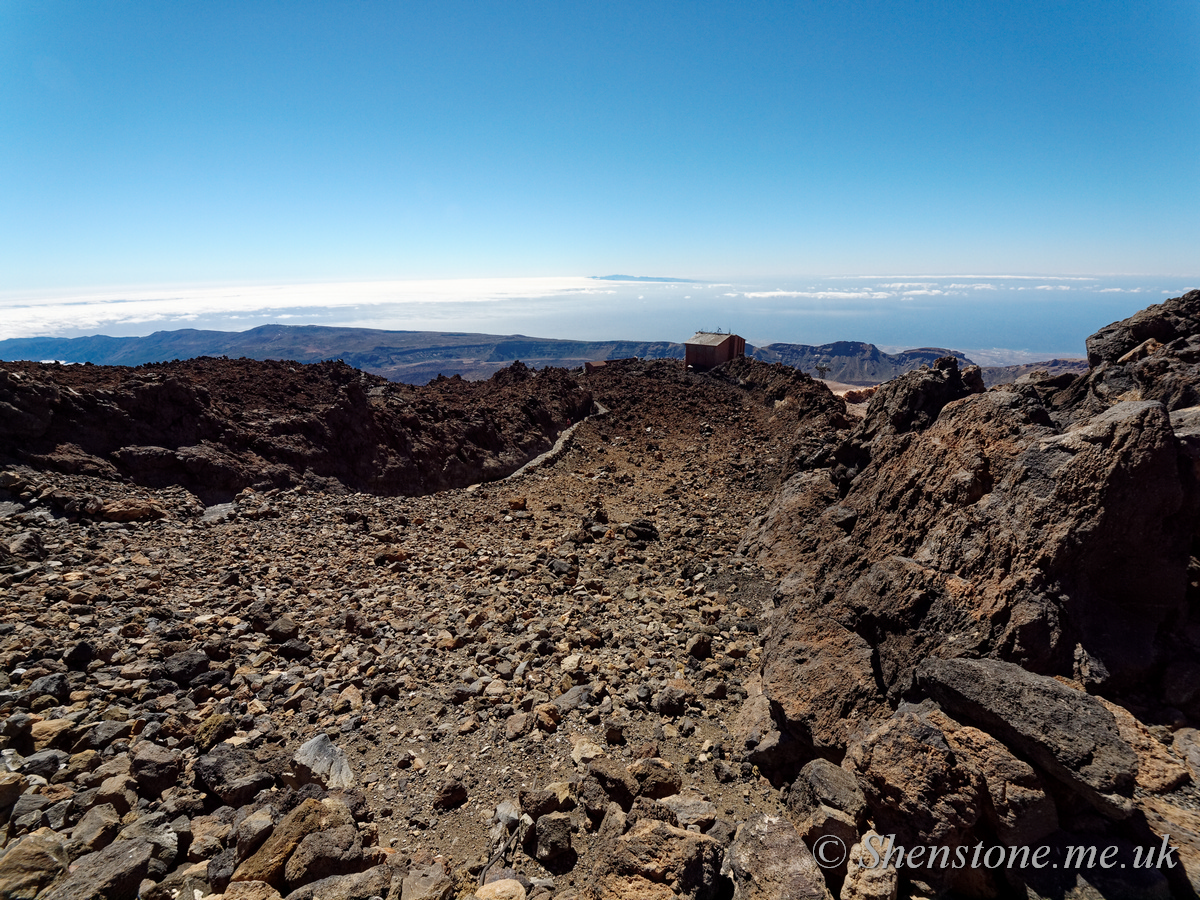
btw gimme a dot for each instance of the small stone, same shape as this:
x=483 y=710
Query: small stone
x=503 y=889
x=691 y=809
x=673 y=699
x=583 y=751
x=95 y=830
x=251 y=890
x=699 y=646
x=283 y=630
x=451 y=794
x=656 y=778
x=155 y=767
x=232 y=774
x=185 y=667
x=518 y=725
x=115 y=871
x=768 y=860
x=428 y=882
x=553 y=832
x=213 y=730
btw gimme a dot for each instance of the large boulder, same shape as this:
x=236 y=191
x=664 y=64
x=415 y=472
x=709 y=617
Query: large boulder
x=311 y=817
x=653 y=861
x=1067 y=733
x=916 y=786
x=155 y=767
x=31 y=864
x=767 y=860
x=1020 y=809
x=113 y=873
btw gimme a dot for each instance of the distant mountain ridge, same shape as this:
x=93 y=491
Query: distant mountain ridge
x=853 y=362
x=416 y=357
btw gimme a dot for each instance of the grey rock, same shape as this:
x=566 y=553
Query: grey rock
x=656 y=778
x=32 y=863
x=691 y=809
x=451 y=794
x=221 y=868
x=57 y=685
x=12 y=785
x=320 y=761
x=157 y=830
x=27 y=544
x=44 y=763
x=1066 y=733
x=614 y=778
x=155 y=767
x=29 y=803
x=645 y=808
x=699 y=646
x=553 y=832
x=188 y=881
x=253 y=831
x=100 y=735
x=184 y=666
x=578 y=696
x=820 y=782
x=95 y=830
x=334 y=851
x=374 y=882
x=768 y=861
x=427 y=883
x=283 y=629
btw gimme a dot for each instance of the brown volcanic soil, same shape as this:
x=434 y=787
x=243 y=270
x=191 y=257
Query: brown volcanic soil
x=432 y=634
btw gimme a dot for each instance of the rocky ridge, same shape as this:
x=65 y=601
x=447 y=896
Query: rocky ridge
x=217 y=426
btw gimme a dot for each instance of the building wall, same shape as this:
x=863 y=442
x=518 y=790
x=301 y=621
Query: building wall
x=706 y=356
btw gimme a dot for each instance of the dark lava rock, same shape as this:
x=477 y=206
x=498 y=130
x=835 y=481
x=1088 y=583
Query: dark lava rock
x=233 y=775
x=1065 y=732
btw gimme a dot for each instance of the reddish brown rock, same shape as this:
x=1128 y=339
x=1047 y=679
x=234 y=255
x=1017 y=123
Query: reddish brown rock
x=655 y=861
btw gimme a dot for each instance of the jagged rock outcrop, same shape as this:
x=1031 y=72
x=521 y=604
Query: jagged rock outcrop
x=990 y=533
x=1153 y=355
x=967 y=548
x=216 y=426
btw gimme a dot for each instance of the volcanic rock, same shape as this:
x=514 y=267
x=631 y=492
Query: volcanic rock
x=767 y=859
x=1065 y=732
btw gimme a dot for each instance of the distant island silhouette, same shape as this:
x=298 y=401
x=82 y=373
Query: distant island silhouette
x=642 y=278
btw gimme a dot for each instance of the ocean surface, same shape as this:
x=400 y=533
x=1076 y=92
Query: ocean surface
x=994 y=319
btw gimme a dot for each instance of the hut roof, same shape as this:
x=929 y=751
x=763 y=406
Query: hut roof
x=708 y=339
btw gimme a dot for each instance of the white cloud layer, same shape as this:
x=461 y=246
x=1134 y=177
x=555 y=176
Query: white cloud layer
x=25 y=315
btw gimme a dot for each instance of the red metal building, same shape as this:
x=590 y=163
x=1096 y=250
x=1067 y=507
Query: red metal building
x=708 y=349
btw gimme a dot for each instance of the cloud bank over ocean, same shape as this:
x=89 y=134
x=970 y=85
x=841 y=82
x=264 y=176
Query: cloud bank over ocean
x=1001 y=318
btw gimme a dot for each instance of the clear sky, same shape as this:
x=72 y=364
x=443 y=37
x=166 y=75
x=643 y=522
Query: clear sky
x=283 y=142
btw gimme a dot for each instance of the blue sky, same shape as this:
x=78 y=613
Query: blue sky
x=284 y=143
